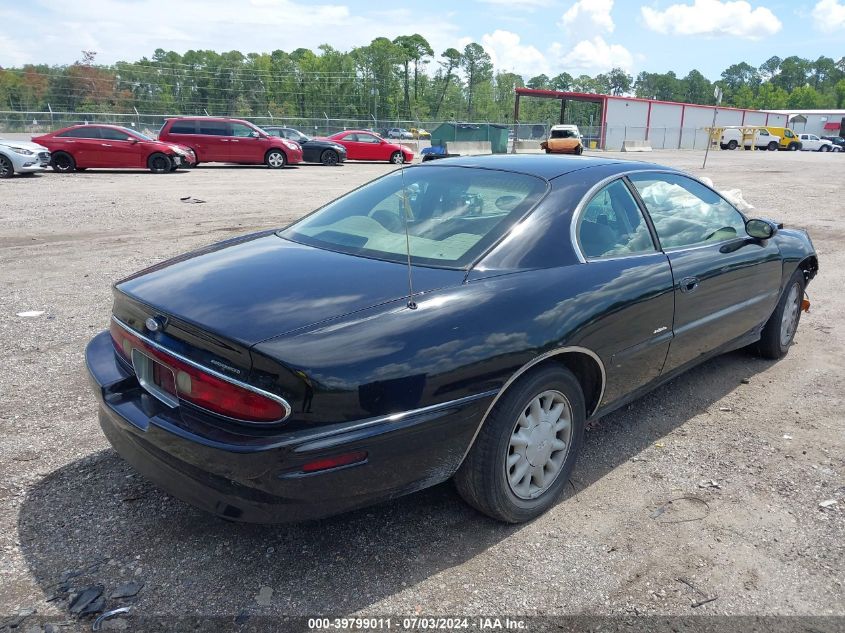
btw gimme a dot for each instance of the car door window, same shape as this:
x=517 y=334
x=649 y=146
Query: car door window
x=612 y=225
x=685 y=212
x=240 y=130
x=367 y=138
x=214 y=128
x=113 y=135
x=350 y=137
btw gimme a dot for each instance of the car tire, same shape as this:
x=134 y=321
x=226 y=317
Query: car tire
x=779 y=331
x=397 y=158
x=159 y=163
x=496 y=466
x=793 y=147
x=275 y=159
x=329 y=158
x=732 y=145
x=824 y=148
x=63 y=163
x=579 y=150
x=7 y=170
x=772 y=147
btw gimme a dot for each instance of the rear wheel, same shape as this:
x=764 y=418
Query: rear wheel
x=824 y=148
x=159 y=163
x=793 y=147
x=525 y=452
x=397 y=158
x=63 y=163
x=732 y=144
x=772 y=147
x=329 y=157
x=7 y=170
x=579 y=150
x=779 y=331
x=275 y=159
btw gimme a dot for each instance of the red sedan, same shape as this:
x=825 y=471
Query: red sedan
x=363 y=145
x=82 y=146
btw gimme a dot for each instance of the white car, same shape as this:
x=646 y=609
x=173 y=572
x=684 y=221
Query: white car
x=22 y=157
x=812 y=143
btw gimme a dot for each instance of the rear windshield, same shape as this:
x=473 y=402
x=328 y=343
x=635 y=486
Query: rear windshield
x=453 y=214
x=563 y=134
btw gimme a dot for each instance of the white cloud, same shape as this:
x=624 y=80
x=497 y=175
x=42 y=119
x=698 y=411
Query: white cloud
x=829 y=16
x=129 y=29
x=713 y=17
x=519 y=4
x=593 y=56
x=588 y=17
x=508 y=54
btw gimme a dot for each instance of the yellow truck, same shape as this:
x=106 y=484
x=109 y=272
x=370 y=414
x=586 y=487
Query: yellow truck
x=788 y=139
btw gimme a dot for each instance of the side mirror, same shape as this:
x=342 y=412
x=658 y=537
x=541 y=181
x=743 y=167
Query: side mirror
x=132 y=140
x=760 y=229
x=255 y=134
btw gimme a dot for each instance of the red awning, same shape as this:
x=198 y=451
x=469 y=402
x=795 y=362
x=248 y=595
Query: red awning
x=830 y=125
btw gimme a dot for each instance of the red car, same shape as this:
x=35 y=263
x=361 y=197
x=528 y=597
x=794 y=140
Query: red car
x=223 y=140
x=363 y=145
x=82 y=146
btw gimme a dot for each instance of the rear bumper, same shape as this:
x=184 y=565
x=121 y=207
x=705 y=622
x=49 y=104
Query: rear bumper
x=248 y=477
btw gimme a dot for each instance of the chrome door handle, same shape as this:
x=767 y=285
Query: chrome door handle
x=105 y=144
x=689 y=284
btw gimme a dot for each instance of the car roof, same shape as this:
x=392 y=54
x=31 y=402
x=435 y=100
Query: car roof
x=546 y=167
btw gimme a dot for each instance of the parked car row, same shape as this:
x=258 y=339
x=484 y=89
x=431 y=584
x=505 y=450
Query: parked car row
x=775 y=138
x=186 y=142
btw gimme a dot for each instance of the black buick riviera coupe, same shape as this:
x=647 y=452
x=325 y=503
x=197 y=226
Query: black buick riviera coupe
x=463 y=318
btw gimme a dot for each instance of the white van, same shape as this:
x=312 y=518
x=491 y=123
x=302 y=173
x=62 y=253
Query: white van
x=763 y=139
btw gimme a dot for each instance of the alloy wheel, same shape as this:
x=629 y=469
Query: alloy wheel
x=539 y=444
x=276 y=160
x=791 y=313
x=397 y=158
x=6 y=169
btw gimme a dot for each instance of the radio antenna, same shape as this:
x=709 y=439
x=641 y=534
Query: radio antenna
x=406 y=207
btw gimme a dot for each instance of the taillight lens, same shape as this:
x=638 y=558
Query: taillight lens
x=199 y=387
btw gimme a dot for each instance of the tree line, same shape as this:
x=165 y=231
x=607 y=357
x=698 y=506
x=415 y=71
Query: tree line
x=400 y=79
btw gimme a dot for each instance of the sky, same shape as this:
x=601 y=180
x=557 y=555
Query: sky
x=528 y=37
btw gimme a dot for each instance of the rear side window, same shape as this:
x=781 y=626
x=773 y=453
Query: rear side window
x=612 y=225
x=685 y=212
x=82 y=132
x=213 y=128
x=183 y=127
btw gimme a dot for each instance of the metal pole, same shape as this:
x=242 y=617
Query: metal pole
x=709 y=138
x=717 y=93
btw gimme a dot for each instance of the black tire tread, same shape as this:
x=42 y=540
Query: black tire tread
x=473 y=479
x=769 y=345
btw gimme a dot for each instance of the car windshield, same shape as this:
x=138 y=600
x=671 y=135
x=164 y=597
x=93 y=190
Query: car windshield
x=453 y=214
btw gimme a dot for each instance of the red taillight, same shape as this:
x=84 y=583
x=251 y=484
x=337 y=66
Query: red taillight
x=197 y=386
x=325 y=463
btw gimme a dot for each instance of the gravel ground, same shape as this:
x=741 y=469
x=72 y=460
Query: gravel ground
x=746 y=448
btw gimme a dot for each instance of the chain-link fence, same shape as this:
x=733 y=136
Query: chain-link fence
x=597 y=137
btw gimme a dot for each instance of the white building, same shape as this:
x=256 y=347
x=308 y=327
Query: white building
x=665 y=124
x=820 y=122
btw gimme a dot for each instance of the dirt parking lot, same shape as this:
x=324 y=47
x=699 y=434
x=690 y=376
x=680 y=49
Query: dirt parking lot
x=746 y=448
